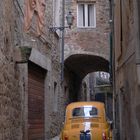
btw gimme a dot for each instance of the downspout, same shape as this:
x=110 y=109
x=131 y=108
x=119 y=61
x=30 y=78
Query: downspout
x=138 y=43
x=111 y=45
x=62 y=42
x=113 y=73
x=110 y=61
x=112 y=64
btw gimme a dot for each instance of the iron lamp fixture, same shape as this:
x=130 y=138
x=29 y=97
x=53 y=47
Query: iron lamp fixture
x=69 y=19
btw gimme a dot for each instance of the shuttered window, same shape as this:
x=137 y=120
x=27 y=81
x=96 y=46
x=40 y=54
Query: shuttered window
x=86 y=15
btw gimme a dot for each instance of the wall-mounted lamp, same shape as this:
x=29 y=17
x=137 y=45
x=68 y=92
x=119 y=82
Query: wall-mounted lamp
x=69 y=19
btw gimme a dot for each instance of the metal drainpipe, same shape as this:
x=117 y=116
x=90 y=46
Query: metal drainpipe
x=113 y=71
x=138 y=43
x=62 y=41
x=112 y=63
x=110 y=39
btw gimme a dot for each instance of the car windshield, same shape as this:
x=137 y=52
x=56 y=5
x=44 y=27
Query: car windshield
x=86 y=111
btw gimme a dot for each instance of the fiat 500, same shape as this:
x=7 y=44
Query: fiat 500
x=86 y=121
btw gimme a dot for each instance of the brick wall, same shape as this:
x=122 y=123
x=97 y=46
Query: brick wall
x=84 y=41
x=89 y=39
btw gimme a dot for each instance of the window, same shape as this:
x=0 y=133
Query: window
x=86 y=15
x=87 y=111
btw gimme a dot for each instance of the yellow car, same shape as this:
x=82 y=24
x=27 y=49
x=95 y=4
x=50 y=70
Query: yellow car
x=86 y=121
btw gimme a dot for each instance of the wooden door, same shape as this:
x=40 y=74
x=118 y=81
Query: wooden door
x=36 y=76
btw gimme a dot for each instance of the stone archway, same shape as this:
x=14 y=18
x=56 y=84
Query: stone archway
x=82 y=64
x=78 y=66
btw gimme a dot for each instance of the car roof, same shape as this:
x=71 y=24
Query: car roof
x=80 y=104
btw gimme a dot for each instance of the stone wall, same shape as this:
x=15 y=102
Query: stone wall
x=14 y=71
x=127 y=85
x=10 y=98
x=89 y=39
x=86 y=41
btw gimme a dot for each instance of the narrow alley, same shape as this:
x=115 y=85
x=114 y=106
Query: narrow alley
x=70 y=70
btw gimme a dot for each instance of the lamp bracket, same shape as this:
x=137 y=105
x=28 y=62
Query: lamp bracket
x=54 y=29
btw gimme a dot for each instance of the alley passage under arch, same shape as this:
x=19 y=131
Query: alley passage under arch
x=77 y=66
x=82 y=64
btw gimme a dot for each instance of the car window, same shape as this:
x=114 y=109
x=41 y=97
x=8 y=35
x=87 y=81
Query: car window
x=88 y=111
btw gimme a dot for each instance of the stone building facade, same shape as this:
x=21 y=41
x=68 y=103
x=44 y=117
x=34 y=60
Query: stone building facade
x=81 y=38
x=30 y=90
x=127 y=72
x=86 y=43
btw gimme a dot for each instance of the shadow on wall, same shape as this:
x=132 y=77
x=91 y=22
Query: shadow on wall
x=138 y=114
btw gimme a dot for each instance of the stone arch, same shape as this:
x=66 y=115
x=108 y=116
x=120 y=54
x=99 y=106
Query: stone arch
x=81 y=52
x=83 y=63
x=77 y=66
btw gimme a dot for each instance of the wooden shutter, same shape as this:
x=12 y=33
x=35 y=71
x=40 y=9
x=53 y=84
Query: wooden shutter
x=36 y=114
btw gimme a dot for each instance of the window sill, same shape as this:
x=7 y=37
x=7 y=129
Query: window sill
x=86 y=27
